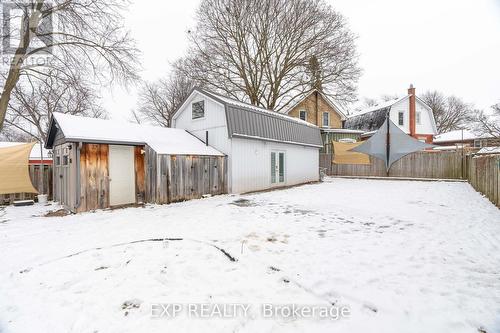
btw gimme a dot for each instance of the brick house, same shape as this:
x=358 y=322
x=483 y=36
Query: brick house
x=317 y=109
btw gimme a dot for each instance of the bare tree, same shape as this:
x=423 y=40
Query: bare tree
x=260 y=51
x=159 y=100
x=389 y=97
x=489 y=124
x=450 y=113
x=32 y=104
x=83 y=37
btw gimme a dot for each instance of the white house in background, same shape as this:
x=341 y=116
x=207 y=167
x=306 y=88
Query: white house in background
x=265 y=149
x=409 y=113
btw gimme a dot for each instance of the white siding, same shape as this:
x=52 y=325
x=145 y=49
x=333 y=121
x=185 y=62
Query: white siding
x=214 y=122
x=251 y=164
x=402 y=106
x=249 y=160
x=425 y=126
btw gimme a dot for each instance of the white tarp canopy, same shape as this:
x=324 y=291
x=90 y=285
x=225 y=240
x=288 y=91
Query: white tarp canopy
x=390 y=144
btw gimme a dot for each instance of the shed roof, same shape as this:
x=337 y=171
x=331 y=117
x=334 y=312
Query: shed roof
x=253 y=122
x=171 y=141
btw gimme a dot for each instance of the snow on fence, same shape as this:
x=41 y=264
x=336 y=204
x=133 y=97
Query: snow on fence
x=34 y=170
x=425 y=164
x=483 y=173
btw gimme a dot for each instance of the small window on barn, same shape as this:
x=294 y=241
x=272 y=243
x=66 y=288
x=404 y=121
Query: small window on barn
x=418 y=118
x=198 y=109
x=58 y=157
x=326 y=119
x=303 y=115
x=401 y=121
x=65 y=160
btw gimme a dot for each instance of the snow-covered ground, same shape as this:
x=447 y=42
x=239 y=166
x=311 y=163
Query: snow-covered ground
x=401 y=256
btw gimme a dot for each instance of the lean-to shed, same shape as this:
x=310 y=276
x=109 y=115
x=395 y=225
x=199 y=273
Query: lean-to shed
x=104 y=163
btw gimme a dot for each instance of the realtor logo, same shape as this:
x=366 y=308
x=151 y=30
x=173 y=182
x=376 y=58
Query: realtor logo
x=19 y=18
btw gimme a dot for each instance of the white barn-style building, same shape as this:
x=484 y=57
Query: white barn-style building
x=265 y=149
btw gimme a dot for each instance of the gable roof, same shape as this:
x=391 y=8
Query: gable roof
x=332 y=104
x=250 y=121
x=172 y=141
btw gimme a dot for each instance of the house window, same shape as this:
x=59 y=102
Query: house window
x=401 y=118
x=65 y=160
x=277 y=167
x=418 y=118
x=58 y=157
x=303 y=115
x=198 y=109
x=326 y=119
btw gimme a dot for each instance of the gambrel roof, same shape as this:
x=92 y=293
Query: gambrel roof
x=253 y=122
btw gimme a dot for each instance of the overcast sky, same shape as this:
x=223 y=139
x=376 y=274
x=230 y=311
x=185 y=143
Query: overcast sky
x=445 y=45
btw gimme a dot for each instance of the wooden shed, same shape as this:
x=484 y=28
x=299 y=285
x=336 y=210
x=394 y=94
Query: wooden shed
x=103 y=163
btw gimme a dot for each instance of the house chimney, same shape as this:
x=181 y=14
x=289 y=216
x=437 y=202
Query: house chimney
x=413 y=110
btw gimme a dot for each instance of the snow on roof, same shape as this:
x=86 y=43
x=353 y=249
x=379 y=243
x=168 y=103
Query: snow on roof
x=489 y=150
x=163 y=140
x=35 y=152
x=455 y=136
x=379 y=106
x=454 y=147
x=239 y=104
x=342 y=130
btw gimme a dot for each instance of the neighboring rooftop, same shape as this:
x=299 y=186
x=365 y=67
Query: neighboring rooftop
x=35 y=152
x=379 y=106
x=337 y=107
x=489 y=150
x=163 y=140
x=457 y=135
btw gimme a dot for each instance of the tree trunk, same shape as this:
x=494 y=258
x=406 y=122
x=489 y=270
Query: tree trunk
x=10 y=84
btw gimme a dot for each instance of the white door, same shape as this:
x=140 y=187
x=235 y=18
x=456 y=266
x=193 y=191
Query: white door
x=121 y=175
x=277 y=167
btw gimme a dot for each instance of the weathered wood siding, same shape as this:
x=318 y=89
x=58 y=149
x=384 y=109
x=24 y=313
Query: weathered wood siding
x=34 y=170
x=484 y=176
x=94 y=177
x=445 y=165
x=171 y=178
x=139 y=174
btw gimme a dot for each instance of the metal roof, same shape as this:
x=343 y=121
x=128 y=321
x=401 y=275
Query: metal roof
x=250 y=121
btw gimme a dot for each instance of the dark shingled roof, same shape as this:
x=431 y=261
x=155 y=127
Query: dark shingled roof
x=369 y=121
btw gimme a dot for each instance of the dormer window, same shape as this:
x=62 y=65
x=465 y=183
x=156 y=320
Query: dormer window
x=198 y=109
